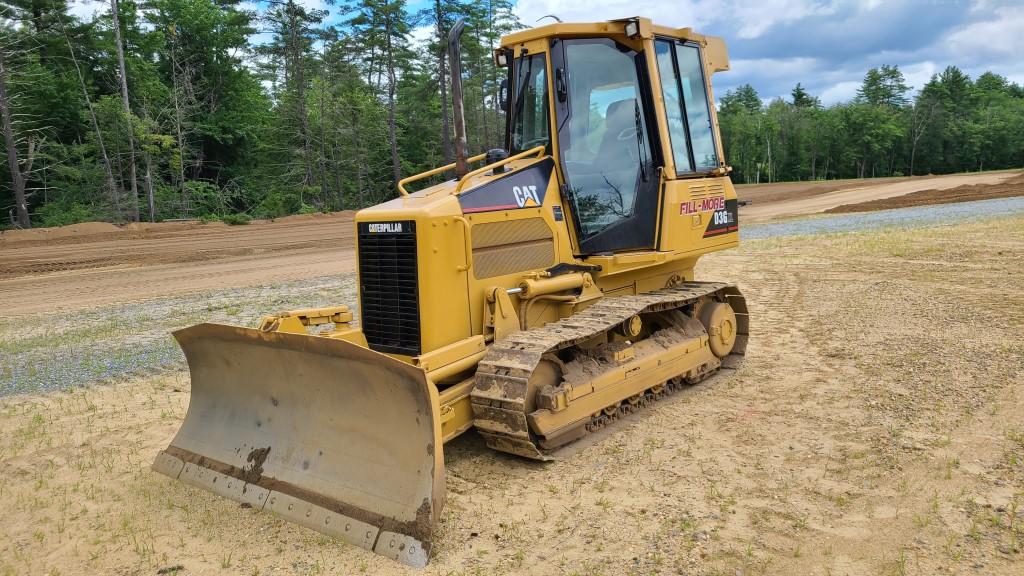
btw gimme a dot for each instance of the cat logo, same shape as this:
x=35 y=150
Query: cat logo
x=521 y=189
x=526 y=196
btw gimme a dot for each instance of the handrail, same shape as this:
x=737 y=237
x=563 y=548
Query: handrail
x=468 y=245
x=433 y=172
x=539 y=151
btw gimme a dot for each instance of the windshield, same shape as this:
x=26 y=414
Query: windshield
x=530 y=105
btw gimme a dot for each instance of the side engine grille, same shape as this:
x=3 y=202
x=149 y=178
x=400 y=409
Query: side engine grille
x=511 y=246
x=388 y=286
x=705 y=190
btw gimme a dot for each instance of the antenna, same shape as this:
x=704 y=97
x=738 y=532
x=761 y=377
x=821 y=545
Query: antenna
x=552 y=16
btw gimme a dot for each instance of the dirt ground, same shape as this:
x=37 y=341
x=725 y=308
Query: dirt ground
x=780 y=191
x=70 y=271
x=1013 y=186
x=95 y=264
x=790 y=200
x=877 y=427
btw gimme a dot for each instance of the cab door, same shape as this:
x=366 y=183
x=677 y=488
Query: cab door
x=608 y=158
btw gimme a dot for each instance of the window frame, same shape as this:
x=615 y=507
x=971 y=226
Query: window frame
x=693 y=171
x=640 y=230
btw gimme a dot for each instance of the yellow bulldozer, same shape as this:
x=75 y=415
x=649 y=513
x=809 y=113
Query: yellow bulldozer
x=536 y=298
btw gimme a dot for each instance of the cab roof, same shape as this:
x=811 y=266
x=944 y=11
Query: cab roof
x=714 y=47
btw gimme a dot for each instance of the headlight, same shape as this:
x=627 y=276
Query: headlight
x=501 y=58
x=632 y=28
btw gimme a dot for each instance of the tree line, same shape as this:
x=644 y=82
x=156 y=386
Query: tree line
x=166 y=109
x=953 y=124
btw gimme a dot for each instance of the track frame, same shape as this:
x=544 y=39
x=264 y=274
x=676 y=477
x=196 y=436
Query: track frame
x=508 y=414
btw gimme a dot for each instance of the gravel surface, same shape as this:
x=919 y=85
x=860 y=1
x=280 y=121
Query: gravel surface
x=111 y=342
x=915 y=217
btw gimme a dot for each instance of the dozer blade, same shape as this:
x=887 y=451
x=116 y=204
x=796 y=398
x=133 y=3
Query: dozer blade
x=325 y=433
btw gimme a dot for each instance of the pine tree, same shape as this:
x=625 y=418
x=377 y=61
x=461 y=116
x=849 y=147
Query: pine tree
x=13 y=162
x=801 y=99
x=122 y=74
x=744 y=97
x=883 y=86
x=385 y=27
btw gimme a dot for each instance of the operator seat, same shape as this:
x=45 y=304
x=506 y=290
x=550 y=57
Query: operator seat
x=619 y=148
x=618 y=158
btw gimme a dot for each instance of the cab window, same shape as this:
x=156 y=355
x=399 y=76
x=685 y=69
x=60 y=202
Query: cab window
x=530 y=123
x=673 y=107
x=686 y=106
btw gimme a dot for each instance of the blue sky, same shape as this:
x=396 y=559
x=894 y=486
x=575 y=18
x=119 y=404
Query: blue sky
x=825 y=45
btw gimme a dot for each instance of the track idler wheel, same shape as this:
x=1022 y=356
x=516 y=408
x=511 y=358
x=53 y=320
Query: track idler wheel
x=719 y=320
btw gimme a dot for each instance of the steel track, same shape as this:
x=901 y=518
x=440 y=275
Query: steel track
x=500 y=395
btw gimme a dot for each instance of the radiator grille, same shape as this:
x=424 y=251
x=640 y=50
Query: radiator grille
x=388 y=286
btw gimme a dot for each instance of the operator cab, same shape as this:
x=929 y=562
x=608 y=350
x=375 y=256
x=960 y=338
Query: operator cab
x=591 y=102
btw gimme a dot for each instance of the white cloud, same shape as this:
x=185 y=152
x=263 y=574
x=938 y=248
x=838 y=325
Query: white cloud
x=261 y=38
x=85 y=9
x=755 y=18
x=88 y=10
x=976 y=36
x=682 y=13
x=1000 y=36
x=786 y=67
x=840 y=92
x=919 y=73
x=421 y=35
x=980 y=5
x=313 y=4
x=752 y=18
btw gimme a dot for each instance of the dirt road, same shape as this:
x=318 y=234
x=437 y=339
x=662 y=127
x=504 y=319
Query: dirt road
x=877 y=427
x=1007 y=188
x=98 y=264
x=75 y=272
x=793 y=202
x=780 y=191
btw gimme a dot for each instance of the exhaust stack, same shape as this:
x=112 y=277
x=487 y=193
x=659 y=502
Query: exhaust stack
x=455 y=65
